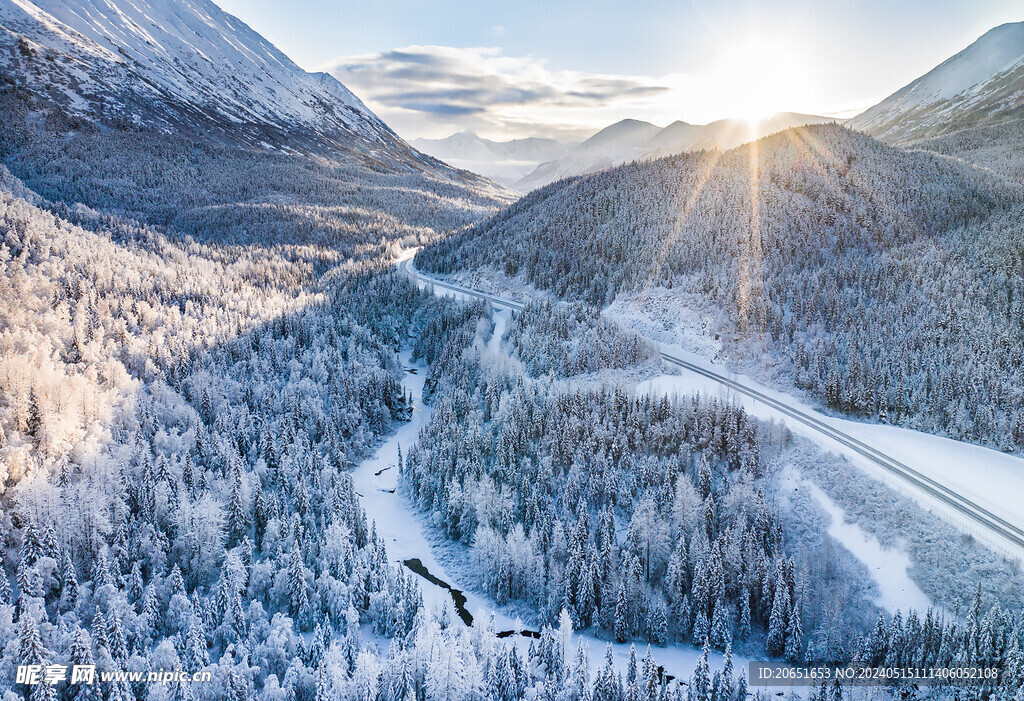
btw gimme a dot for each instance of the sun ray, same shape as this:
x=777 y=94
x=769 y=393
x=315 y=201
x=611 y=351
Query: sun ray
x=750 y=282
x=709 y=162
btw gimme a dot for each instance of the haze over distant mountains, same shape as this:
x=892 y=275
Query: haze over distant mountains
x=506 y=162
x=983 y=85
x=527 y=164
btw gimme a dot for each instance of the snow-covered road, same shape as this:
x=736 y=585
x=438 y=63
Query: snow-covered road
x=977 y=489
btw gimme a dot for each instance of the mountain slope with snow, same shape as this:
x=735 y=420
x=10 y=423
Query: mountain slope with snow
x=981 y=85
x=187 y=66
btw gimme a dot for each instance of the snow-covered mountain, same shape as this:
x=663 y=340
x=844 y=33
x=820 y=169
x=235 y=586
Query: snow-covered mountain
x=503 y=161
x=187 y=65
x=631 y=140
x=981 y=85
x=677 y=137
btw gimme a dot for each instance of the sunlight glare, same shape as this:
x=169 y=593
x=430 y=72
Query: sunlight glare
x=760 y=76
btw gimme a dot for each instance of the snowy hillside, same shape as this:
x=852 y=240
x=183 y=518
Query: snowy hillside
x=838 y=260
x=186 y=65
x=503 y=161
x=631 y=140
x=981 y=85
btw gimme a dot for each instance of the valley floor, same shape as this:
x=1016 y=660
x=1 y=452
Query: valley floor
x=407 y=536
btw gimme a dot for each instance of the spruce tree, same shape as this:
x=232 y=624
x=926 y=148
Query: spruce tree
x=778 y=623
x=34 y=423
x=721 y=630
x=700 y=682
x=622 y=631
x=701 y=627
x=794 y=636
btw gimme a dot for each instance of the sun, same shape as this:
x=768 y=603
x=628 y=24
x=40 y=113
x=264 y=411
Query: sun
x=758 y=76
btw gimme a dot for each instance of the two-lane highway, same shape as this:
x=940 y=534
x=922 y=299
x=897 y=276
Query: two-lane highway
x=1000 y=532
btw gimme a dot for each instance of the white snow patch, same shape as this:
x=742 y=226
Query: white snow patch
x=888 y=566
x=670 y=316
x=501 y=316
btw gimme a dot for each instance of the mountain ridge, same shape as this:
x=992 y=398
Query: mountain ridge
x=619 y=143
x=979 y=86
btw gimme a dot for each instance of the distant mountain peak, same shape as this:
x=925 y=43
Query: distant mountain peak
x=503 y=161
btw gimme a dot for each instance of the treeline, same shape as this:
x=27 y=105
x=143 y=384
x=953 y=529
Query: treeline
x=890 y=284
x=992 y=640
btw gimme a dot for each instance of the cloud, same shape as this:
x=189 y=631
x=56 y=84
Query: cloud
x=435 y=90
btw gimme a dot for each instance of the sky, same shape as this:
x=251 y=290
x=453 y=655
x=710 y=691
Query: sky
x=566 y=68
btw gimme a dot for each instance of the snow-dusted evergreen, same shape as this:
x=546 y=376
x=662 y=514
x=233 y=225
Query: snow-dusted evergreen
x=888 y=282
x=200 y=337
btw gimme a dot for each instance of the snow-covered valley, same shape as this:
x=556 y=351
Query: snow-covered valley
x=408 y=535
x=625 y=435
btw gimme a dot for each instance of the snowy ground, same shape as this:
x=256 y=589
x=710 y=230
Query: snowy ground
x=987 y=477
x=888 y=567
x=670 y=316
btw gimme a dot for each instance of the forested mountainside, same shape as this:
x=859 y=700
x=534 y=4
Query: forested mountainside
x=177 y=115
x=229 y=194
x=999 y=148
x=889 y=283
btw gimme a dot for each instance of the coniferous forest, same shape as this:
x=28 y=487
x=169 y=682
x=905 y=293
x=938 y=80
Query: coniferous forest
x=204 y=335
x=885 y=282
